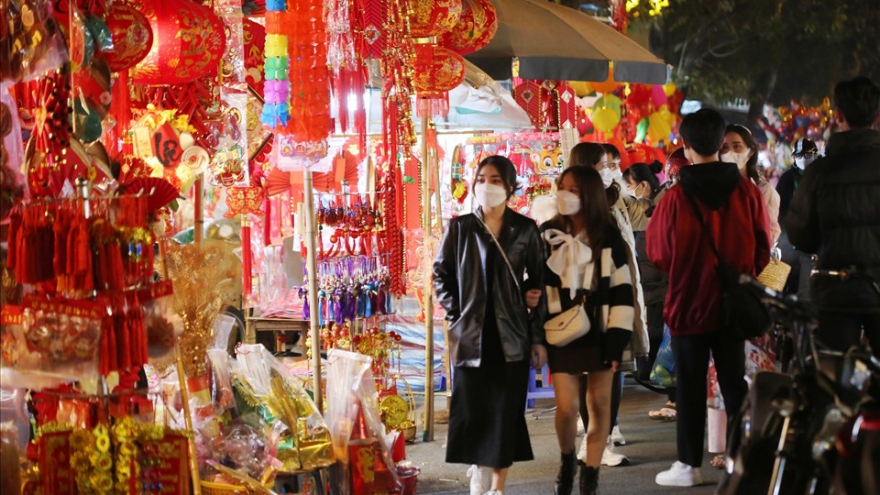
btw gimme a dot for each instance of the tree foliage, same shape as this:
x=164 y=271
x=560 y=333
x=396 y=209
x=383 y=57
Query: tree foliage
x=765 y=50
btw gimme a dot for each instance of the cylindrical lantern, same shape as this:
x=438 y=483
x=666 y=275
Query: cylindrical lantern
x=438 y=70
x=433 y=17
x=476 y=27
x=254 y=37
x=132 y=37
x=189 y=42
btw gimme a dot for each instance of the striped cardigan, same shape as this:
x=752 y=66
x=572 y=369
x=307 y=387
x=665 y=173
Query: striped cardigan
x=610 y=302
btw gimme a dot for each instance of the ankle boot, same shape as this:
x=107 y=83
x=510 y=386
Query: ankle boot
x=589 y=480
x=565 y=477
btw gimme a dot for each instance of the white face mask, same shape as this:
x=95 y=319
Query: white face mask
x=607 y=177
x=568 y=203
x=490 y=195
x=740 y=159
x=616 y=173
x=802 y=162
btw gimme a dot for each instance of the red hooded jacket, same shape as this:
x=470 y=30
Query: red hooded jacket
x=733 y=208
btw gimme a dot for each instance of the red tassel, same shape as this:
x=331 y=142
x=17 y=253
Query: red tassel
x=12 y=237
x=246 y=258
x=267 y=222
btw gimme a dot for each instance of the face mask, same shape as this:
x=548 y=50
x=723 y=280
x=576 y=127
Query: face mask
x=568 y=203
x=607 y=177
x=617 y=174
x=740 y=159
x=490 y=195
x=802 y=162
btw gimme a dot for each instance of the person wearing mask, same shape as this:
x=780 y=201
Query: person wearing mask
x=495 y=325
x=713 y=193
x=740 y=147
x=834 y=214
x=596 y=156
x=804 y=152
x=586 y=264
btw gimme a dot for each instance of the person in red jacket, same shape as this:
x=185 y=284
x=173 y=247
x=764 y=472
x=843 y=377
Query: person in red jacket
x=733 y=209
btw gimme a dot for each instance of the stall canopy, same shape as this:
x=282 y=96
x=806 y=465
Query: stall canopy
x=556 y=42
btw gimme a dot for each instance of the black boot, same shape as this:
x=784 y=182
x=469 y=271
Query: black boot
x=565 y=477
x=589 y=480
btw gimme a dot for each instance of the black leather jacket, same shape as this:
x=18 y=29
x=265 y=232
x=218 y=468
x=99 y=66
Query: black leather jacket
x=459 y=280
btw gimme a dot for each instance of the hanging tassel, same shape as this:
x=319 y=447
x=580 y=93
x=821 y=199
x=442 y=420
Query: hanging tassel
x=246 y=256
x=267 y=222
x=12 y=236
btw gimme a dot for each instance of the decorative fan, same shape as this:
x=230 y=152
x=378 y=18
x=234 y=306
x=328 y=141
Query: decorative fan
x=345 y=167
x=159 y=191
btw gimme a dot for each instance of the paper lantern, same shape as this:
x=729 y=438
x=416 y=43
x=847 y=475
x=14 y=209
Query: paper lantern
x=610 y=102
x=438 y=70
x=475 y=28
x=642 y=130
x=605 y=119
x=607 y=86
x=132 y=37
x=658 y=96
x=254 y=37
x=669 y=88
x=659 y=127
x=433 y=17
x=189 y=42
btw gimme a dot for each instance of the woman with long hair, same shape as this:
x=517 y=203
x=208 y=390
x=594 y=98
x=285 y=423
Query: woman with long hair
x=586 y=264
x=740 y=147
x=496 y=325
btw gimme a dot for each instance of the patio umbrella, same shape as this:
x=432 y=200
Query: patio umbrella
x=556 y=42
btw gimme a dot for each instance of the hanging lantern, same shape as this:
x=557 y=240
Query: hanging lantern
x=132 y=37
x=476 y=27
x=433 y=17
x=189 y=42
x=438 y=70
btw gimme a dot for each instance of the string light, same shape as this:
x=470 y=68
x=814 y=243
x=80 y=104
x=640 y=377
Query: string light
x=656 y=6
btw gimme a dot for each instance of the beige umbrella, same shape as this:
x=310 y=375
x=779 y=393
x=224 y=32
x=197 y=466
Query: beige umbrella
x=556 y=42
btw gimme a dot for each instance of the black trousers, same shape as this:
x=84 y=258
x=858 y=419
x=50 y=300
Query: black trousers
x=616 y=396
x=691 y=367
x=840 y=331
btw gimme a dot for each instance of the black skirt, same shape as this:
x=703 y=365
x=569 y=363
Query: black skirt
x=580 y=356
x=487 y=424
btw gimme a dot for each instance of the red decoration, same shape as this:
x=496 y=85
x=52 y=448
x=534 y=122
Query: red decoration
x=433 y=17
x=132 y=37
x=254 y=36
x=375 y=39
x=438 y=70
x=244 y=200
x=189 y=42
x=166 y=146
x=475 y=28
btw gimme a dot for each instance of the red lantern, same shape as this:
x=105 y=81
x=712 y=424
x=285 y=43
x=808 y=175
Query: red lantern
x=190 y=41
x=433 y=17
x=132 y=37
x=438 y=70
x=475 y=28
x=254 y=37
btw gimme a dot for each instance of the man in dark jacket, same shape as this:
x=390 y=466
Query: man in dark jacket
x=733 y=209
x=835 y=214
x=804 y=152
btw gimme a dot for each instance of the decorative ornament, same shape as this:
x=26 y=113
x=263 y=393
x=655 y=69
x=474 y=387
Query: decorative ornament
x=433 y=17
x=189 y=42
x=475 y=28
x=438 y=69
x=132 y=37
x=254 y=36
x=605 y=119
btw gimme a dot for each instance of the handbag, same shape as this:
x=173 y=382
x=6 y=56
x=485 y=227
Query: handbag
x=776 y=273
x=567 y=326
x=742 y=310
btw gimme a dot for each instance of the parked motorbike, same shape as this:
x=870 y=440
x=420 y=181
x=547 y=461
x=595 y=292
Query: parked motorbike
x=814 y=429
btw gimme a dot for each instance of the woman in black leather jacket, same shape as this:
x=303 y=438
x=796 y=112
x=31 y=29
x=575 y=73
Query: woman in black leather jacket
x=493 y=335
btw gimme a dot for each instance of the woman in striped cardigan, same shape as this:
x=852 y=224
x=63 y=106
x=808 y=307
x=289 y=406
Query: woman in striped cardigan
x=586 y=264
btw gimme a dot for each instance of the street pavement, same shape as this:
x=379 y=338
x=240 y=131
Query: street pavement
x=650 y=447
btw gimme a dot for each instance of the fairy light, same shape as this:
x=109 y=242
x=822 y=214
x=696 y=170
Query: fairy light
x=655 y=7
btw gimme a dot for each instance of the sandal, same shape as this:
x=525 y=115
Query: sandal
x=666 y=413
x=718 y=461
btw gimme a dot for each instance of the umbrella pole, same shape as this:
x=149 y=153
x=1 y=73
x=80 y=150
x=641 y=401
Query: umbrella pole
x=311 y=255
x=425 y=176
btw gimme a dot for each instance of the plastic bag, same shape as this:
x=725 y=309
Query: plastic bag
x=664 y=365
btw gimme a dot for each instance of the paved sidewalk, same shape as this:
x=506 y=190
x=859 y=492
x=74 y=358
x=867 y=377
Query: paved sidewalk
x=650 y=448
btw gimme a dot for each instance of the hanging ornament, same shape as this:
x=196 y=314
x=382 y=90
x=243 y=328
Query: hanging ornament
x=433 y=17
x=254 y=36
x=132 y=37
x=189 y=42
x=475 y=28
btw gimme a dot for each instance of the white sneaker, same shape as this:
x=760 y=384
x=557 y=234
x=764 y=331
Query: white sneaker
x=478 y=486
x=680 y=474
x=611 y=457
x=494 y=492
x=617 y=437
